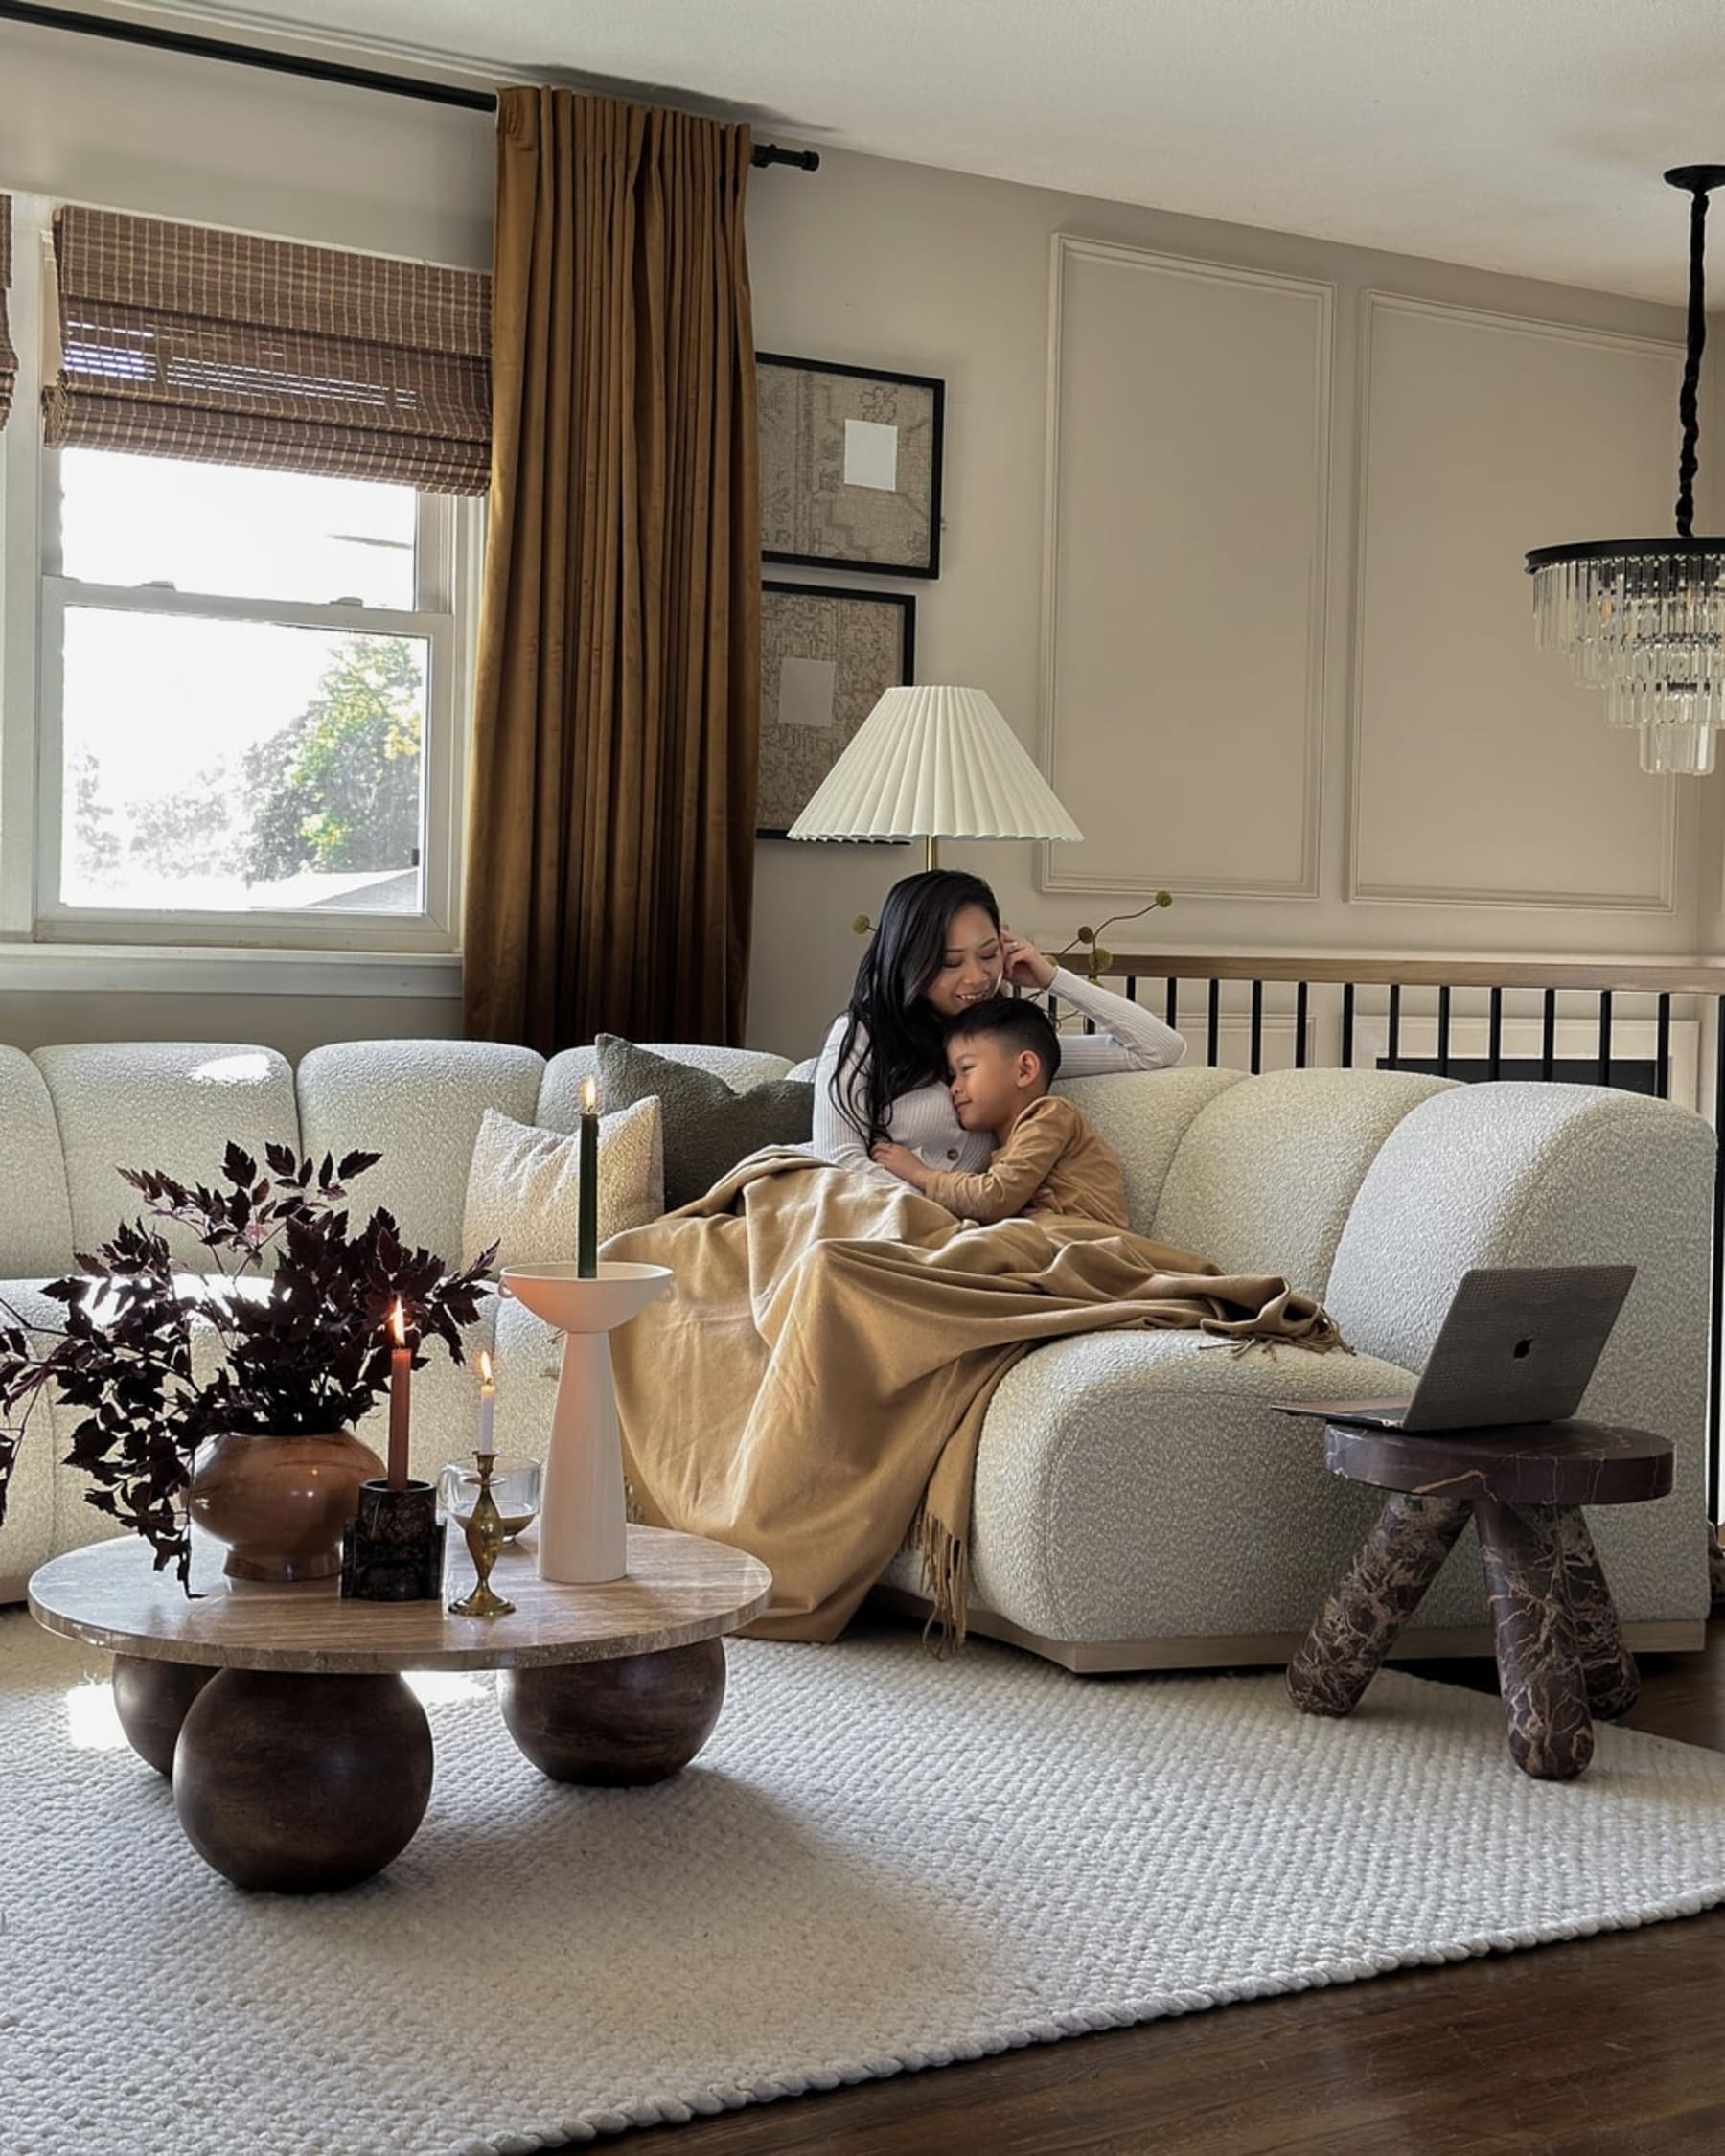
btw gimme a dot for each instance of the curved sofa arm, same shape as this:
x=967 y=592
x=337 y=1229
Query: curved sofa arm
x=1508 y=1175
x=1134 y=1486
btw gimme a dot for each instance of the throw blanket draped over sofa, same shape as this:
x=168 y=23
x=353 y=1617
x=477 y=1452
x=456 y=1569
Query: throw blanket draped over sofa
x=819 y=1380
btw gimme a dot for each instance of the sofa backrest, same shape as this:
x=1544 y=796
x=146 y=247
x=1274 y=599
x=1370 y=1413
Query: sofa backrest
x=1265 y=1176
x=36 y=1213
x=159 y=1104
x=1143 y=1115
x=419 y=1104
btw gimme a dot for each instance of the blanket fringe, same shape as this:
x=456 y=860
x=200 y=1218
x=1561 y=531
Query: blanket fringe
x=1323 y=1337
x=946 y=1581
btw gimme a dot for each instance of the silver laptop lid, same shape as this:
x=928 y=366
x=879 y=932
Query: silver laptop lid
x=1520 y=1344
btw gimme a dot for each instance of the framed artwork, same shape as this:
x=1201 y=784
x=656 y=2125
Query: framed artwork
x=850 y=466
x=825 y=658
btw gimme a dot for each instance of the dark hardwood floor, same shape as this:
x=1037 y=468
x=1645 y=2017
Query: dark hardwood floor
x=1612 y=2045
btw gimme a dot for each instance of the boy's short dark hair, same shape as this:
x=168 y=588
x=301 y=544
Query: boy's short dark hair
x=1018 y=1023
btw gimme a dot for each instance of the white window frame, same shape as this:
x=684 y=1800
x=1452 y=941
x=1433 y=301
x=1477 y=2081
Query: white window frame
x=33 y=597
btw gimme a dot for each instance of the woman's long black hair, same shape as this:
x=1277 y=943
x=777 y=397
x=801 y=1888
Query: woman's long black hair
x=903 y=1035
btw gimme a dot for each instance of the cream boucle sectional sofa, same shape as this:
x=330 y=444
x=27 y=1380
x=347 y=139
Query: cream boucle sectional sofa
x=1138 y=1503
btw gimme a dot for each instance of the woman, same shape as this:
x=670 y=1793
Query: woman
x=938 y=949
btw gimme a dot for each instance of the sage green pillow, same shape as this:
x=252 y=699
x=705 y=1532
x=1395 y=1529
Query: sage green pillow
x=709 y=1128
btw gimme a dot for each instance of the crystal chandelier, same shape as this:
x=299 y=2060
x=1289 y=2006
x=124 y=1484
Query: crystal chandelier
x=1644 y=619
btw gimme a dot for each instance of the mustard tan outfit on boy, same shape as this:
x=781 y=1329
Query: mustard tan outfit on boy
x=1052 y=1149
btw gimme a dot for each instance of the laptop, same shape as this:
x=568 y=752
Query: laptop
x=1518 y=1345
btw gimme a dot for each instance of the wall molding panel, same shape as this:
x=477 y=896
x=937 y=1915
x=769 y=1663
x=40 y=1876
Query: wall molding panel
x=1179 y=728
x=1468 y=751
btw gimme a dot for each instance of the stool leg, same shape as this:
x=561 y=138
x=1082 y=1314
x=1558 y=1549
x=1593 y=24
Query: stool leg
x=1539 y=1665
x=1607 y=1666
x=1380 y=1589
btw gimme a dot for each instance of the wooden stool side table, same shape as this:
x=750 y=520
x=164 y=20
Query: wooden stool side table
x=1560 y=1654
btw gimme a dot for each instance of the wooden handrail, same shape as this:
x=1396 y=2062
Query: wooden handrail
x=1632 y=976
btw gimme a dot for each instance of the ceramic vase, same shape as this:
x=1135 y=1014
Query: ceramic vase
x=280 y=1503
x=583 y=1525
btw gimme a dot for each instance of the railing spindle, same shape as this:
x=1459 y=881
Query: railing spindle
x=1605 y=1036
x=1215 y=1020
x=1347 y=1000
x=1299 y=1026
x=1257 y=1027
x=1132 y=988
x=1443 y=1032
x=1394 y=1046
x=1547 y=1037
x=1494 y=1044
x=1661 y=1054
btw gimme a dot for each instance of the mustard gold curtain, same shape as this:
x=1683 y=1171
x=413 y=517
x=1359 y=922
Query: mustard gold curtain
x=611 y=847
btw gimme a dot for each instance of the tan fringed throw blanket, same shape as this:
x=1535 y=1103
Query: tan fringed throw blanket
x=818 y=1382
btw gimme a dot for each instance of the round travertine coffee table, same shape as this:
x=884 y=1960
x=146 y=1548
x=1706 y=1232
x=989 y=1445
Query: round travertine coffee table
x=301 y=1760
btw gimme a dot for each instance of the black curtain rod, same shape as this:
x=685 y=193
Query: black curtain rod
x=192 y=46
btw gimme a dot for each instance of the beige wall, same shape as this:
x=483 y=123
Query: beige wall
x=1492 y=801
x=1359 y=762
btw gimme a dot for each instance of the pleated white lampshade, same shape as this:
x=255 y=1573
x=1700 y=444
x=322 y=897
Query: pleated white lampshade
x=931 y=763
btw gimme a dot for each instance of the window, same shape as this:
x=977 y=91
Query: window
x=247 y=688
x=238 y=678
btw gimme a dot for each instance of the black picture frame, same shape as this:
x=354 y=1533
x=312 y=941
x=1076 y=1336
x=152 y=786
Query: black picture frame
x=787 y=790
x=791 y=492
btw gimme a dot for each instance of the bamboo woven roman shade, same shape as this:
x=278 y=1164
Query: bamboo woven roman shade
x=8 y=358
x=182 y=341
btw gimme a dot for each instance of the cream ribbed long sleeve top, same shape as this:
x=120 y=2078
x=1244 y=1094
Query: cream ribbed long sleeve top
x=1128 y=1038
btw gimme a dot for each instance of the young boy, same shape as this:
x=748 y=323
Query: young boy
x=1001 y=1057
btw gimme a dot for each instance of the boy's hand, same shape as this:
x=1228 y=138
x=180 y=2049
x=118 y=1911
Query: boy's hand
x=901 y=1161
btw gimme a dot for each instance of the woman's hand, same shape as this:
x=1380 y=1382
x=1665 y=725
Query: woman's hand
x=1023 y=964
x=899 y=1160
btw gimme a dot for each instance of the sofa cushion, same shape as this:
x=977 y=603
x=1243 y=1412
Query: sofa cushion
x=708 y=1127
x=1264 y=1178
x=36 y=1213
x=418 y=1103
x=523 y=1190
x=560 y=1092
x=160 y=1104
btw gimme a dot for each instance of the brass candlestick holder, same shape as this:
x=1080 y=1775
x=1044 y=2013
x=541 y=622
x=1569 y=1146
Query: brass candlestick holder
x=484 y=1532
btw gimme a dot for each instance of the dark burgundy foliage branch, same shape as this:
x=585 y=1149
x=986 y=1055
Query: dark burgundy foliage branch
x=302 y=1351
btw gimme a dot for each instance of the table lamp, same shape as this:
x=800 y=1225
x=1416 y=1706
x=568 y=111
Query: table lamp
x=933 y=763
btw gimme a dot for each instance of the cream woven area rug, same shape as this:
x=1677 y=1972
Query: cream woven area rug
x=881 y=1862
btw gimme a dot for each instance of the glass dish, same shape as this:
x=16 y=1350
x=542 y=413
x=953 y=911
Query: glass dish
x=514 y=1492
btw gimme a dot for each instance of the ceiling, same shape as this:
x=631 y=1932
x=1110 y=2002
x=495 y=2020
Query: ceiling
x=1521 y=135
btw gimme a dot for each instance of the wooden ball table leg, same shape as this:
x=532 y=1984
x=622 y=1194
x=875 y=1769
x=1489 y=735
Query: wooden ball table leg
x=152 y=1699
x=1380 y=1589
x=1539 y=1662
x=631 y=1719
x=300 y=1785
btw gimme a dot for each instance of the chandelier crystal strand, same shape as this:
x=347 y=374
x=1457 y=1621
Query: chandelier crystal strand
x=1645 y=619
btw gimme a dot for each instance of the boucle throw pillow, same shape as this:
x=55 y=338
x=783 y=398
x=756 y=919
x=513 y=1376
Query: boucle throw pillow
x=525 y=1186
x=709 y=1128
